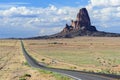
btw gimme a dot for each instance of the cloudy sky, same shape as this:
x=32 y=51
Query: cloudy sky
x=27 y=18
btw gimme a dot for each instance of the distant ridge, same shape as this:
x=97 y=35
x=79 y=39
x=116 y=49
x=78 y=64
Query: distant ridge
x=80 y=27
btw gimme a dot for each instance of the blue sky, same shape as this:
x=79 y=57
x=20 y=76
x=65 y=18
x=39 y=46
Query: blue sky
x=27 y=18
x=45 y=3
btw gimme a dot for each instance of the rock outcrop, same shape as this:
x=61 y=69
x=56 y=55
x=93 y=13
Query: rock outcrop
x=82 y=23
x=80 y=27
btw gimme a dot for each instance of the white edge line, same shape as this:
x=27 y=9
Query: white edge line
x=69 y=75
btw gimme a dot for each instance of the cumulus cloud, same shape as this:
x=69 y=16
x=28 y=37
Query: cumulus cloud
x=104 y=13
x=50 y=14
x=52 y=19
x=50 y=31
x=11 y=4
x=43 y=19
x=105 y=2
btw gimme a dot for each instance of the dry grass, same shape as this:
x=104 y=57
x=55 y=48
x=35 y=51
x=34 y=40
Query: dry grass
x=14 y=67
x=96 y=54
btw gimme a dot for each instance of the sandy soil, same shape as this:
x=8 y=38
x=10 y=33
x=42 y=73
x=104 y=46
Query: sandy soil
x=14 y=67
x=95 y=54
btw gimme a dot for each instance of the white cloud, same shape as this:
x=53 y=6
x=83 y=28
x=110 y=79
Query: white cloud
x=17 y=11
x=43 y=19
x=104 y=13
x=49 y=31
x=52 y=7
x=11 y=4
x=62 y=11
x=105 y=2
x=51 y=14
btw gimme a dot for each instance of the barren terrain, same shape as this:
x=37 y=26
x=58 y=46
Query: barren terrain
x=13 y=65
x=94 y=54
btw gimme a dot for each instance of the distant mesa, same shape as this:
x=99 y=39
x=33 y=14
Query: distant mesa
x=82 y=27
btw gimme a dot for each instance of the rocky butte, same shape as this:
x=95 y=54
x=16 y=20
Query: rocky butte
x=82 y=23
x=82 y=27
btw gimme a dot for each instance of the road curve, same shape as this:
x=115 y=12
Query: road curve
x=77 y=75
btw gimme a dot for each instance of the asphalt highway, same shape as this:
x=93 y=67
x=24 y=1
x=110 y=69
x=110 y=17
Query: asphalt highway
x=77 y=75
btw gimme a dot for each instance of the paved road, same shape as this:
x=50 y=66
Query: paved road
x=77 y=75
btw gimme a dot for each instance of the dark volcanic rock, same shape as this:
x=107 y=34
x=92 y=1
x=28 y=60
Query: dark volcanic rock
x=82 y=23
x=83 y=18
